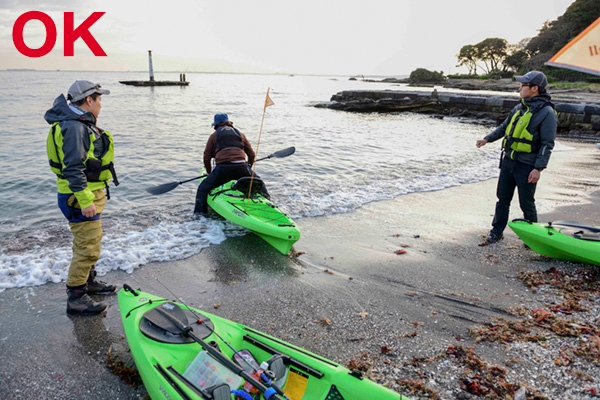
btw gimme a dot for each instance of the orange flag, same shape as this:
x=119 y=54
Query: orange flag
x=268 y=101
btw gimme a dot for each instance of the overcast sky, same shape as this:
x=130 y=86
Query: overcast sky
x=375 y=37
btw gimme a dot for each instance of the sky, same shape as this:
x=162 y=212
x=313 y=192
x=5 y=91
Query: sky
x=323 y=37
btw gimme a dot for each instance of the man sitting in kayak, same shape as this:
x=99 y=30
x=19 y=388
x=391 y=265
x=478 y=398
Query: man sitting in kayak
x=229 y=147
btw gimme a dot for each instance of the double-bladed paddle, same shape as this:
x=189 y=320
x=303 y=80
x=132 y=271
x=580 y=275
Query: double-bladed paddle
x=167 y=187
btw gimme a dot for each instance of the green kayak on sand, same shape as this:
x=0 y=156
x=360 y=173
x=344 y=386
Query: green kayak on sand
x=183 y=353
x=254 y=212
x=567 y=240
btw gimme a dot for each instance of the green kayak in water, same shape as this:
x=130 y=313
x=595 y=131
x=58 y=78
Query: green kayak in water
x=567 y=240
x=184 y=353
x=254 y=212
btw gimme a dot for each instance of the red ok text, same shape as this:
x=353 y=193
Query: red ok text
x=72 y=33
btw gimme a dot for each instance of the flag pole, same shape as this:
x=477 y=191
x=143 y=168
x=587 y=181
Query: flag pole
x=268 y=102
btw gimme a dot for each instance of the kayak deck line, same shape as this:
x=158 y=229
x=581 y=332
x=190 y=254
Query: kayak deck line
x=174 y=384
x=145 y=304
x=278 y=214
x=282 y=343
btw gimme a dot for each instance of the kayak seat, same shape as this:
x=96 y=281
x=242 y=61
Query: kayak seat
x=277 y=366
x=579 y=233
x=594 y=237
x=574 y=224
x=248 y=186
x=587 y=235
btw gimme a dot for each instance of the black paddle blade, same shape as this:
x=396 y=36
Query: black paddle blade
x=164 y=188
x=168 y=316
x=284 y=153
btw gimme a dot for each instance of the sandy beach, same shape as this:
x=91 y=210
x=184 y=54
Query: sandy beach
x=392 y=314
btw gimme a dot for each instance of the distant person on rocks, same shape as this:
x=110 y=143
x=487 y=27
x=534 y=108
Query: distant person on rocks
x=528 y=139
x=229 y=147
x=81 y=155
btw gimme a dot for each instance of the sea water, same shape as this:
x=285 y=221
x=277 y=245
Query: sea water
x=343 y=161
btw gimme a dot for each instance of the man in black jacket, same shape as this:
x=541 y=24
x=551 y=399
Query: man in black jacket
x=528 y=133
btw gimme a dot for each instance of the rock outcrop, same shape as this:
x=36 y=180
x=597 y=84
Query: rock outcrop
x=576 y=119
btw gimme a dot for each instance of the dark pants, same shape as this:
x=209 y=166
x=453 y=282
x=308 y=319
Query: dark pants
x=220 y=174
x=514 y=174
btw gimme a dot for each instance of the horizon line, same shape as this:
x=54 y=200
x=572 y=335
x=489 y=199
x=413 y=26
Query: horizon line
x=199 y=72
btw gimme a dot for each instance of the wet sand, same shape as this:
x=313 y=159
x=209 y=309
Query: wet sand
x=443 y=285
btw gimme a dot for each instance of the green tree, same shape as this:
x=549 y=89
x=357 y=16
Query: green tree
x=425 y=75
x=468 y=57
x=515 y=61
x=492 y=52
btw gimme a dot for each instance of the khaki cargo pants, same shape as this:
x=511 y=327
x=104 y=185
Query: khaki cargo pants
x=87 y=237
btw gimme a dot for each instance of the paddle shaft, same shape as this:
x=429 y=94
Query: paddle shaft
x=167 y=187
x=202 y=176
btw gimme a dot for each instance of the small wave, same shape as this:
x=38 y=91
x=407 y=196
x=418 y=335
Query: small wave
x=167 y=241
x=305 y=197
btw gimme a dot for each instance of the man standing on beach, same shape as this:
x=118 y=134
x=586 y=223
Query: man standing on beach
x=528 y=133
x=81 y=155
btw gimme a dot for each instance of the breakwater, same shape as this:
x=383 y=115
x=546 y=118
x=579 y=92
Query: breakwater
x=577 y=120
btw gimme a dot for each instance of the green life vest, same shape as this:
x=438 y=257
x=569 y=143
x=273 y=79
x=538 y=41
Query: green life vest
x=517 y=137
x=98 y=170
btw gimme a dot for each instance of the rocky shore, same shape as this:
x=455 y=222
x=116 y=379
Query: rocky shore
x=484 y=100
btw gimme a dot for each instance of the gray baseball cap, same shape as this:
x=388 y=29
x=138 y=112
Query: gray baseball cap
x=535 y=78
x=82 y=89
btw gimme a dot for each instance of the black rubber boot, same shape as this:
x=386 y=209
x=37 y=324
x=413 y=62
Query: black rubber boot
x=95 y=286
x=79 y=303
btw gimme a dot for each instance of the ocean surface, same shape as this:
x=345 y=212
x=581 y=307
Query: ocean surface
x=342 y=161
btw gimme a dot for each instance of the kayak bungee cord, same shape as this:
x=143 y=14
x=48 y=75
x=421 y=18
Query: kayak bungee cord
x=266 y=377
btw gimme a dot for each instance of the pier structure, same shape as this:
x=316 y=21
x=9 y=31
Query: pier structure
x=153 y=82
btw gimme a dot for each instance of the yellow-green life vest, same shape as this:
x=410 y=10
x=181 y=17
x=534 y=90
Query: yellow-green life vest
x=98 y=171
x=517 y=137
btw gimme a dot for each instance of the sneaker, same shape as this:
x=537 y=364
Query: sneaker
x=491 y=238
x=80 y=303
x=95 y=286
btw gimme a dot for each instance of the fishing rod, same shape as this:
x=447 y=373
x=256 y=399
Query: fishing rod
x=265 y=377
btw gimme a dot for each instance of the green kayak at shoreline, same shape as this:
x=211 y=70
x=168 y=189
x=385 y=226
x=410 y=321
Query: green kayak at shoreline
x=256 y=214
x=174 y=367
x=567 y=240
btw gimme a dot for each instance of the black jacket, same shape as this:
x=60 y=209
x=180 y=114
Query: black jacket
x=542 y=126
